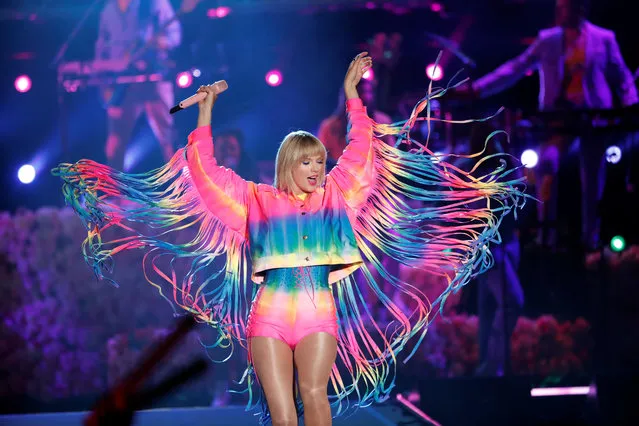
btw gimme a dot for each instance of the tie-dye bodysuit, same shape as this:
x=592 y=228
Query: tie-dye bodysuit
x=293 y=303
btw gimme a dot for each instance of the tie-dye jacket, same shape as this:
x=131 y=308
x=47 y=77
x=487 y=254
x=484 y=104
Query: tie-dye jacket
x=283 y=231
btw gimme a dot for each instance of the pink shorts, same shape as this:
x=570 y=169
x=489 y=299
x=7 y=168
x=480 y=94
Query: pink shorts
x=289 y=313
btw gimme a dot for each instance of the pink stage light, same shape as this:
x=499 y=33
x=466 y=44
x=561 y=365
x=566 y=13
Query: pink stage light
x=23 y=84
x=436 y=7
x=573 y=390
x=434 y=72
x=222 y=11
x=369 y=74
x=218 y=12
x=274 y=78
x=184 y=79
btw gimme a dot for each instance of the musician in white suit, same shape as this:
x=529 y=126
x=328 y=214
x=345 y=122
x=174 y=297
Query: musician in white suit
x=580 y=67
x=127 y=28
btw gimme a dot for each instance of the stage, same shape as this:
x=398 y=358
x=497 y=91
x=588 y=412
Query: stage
x=490 y=401
x=383 y=415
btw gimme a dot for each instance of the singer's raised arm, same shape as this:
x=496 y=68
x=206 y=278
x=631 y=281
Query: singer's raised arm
x=354 y=173
x=223 y=192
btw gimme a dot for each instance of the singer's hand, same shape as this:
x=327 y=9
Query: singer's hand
x=211 y=96
x=206 y=105
x=355 y=72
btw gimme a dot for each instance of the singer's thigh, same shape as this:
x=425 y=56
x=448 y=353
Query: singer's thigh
x=273 y=363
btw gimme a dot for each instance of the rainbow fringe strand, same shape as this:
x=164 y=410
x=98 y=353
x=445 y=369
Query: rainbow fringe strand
x=154 y=208
x=449 y=234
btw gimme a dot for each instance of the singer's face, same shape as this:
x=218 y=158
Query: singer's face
x=308 y=174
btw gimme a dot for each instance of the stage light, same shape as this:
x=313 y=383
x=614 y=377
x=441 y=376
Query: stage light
x=370 y=5
x=436 y=7
x=434 y=72
x=529 y=158
x=196 y=72
x=571 y=390
x=438 y=156
x=369 y=75
x=222 y=11
x=218 y=12
x=23 y=83
x=26 y=173
x=617 y=243
x=613 y=154
x=274 y=78
x=184 y=79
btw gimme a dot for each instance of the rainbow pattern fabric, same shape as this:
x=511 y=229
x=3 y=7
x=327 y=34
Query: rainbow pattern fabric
x=366 y=207
x=293 y=303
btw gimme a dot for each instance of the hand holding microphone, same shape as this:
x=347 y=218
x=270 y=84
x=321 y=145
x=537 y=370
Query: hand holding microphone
x=216 y=88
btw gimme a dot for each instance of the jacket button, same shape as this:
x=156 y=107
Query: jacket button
x=307 y=258
x=305 y=237
x=303 y=213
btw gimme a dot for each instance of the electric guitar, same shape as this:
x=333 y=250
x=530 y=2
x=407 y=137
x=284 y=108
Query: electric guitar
x=141 y=59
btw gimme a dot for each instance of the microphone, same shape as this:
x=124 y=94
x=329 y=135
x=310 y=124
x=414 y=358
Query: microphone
x=220 y=86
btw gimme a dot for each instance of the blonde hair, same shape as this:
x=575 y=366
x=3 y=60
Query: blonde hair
x=295 y=147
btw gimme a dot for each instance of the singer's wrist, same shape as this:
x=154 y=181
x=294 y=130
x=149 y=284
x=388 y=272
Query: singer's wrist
x=204 y=118
x=350 y=92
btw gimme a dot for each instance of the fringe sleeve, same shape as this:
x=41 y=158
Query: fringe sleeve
x=222 y=191
x=419 y=211
x=354 y=173
x=189 y=218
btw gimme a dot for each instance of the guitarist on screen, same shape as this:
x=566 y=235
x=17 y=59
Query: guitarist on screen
x=142 y=32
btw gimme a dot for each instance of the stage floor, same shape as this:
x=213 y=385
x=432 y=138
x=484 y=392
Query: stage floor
x=381 y=415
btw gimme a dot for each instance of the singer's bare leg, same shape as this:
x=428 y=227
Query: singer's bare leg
x=314 y=358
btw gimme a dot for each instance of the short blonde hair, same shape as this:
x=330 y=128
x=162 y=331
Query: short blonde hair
x=295 y=147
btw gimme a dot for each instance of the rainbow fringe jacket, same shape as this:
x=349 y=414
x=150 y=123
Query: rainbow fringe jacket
x=281 y=233
x=411 y=207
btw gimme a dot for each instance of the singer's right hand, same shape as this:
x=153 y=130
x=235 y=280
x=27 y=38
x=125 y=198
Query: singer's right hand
x=211 y=96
